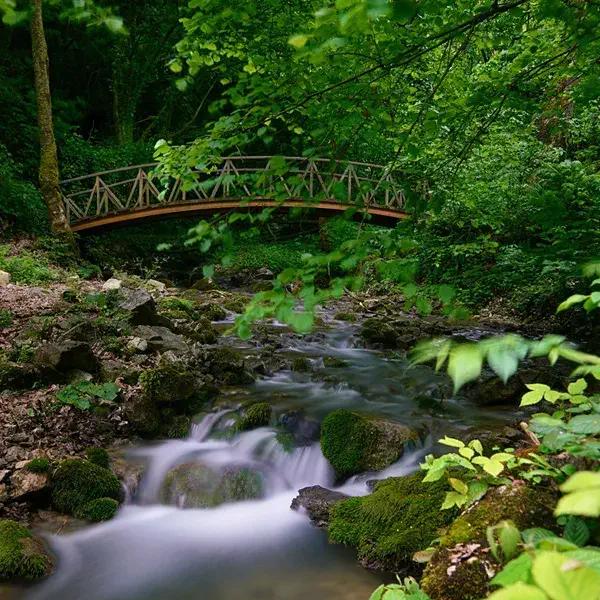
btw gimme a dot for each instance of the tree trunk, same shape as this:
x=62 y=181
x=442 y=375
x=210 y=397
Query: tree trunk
x=48 y=174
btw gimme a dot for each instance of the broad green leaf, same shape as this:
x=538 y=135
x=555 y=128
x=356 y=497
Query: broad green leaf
x=518 y=569
x=503 y=361
x=476 y=445
x=535 y=535
x=585 y=424
x=563 y=578
x=581 y=480
x=571 y=301
x=454 y=443
x=458 y=485
x=464 y=364
x=454 y=499
x=585 y=503
x=468 y=453
x=577 y=387
x=577 y=531
x=519 y=591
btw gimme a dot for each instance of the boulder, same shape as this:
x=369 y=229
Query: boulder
x=154 y=284
x=168 y=383
x=25 y=484
x=462 y=566
x=160 y=339
x=211 y=311
x=303 y=430
x=255 y=415
x=4 y=278
x=66 y=356
x=402 y=516
x=140 y=305
x=23 y=557
x=142 y=413
x=317 y=501
x=194 y=485
x=137 y=345
x=111 y=285
x=355 y=443
x=226 y=366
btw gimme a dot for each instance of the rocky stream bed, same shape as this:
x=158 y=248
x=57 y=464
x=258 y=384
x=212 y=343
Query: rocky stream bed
x=271 y=468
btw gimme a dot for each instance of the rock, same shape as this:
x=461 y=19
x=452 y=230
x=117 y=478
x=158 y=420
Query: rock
x=159 y=286
x=4 y=278
x=160 y=339
x=353 y=443
x=168 y=383
x=137 y=345
x=400 y=517
x=24 y=484
x=462 y=567
x=77 y=482
x=256 y=415
x=111 y=285
x=23 y=557
x=227 y=366
x=301 y=364
x=317 y=501
x=98 y=510
x=194 y=485
x=142 y=413
x=140 y=305
x=67 y=356
x=304 y=431
x=212 y=311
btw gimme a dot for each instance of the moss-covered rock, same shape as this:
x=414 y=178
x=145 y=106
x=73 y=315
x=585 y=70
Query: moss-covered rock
x=301 y=364
x=236 y=303
x=353 y=443
x=462 y=567
x=227 y=366
x=212 y=311
x=256 y=415
x=194 y=485
x=167 y=383
x=98 y=456
x=101 y=509
x=38 y=465
x=77 y=482
x=22 y=556
x=400 y=517
x=179 y=427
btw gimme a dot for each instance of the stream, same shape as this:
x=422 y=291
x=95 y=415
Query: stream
x=158 y=548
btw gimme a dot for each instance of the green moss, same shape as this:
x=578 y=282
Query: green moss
x=167 y=383
x=101 y=509
x=22 y=557
x=256 y=415
x=98 y=456
x=6 y=318
x=77 y=482
x=179 y=428
x=211 y=311
x=38 y=465
x=176 y=308
x=526 y=507
x=400 y=517
x=301 y=364
x=236 y=303
x=353 y=443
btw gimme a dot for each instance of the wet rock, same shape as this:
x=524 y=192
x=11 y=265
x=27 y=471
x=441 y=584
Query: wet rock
x=168 y=383
x=23 y=557
x=301 y=364
x=112 y=284
x=201 y=331
x=462 y=567
x=142 y=413
x=211 y=311
x=317 y=501
x=67 y=356
x=4 y=278
x=137 y=345
x=194 y=485
x=226 y=366
x=141 y=307
x=161 y=339
x=353 y=443
x=304 y=430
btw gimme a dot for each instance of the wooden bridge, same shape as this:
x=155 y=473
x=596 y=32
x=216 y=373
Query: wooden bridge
x=131 y=194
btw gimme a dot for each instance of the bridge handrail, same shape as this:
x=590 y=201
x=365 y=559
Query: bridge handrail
x=224 y=158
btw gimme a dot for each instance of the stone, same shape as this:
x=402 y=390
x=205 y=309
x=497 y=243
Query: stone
x=4 y=278
x=24 y=483
x=317 y=502
x=161 y=339
x=140 y=304
x=154 y=284
x=112 y=284
x=137 y=345
x=67 y=356
x=304 y=430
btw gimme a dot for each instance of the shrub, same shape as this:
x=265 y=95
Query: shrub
x=27 y=267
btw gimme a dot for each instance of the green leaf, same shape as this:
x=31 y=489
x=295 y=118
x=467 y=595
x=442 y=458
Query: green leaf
x=536 y=394
x=562 y=578
x=458 y=485
x=571 y=301
x=519 y=591
x=577 y=387
x=518 y=569
x=585 y=424
x=453 y=442
x=464 y=364
x=298 y=41
x=581 y=480
x=454 y=499
x=503 y=361
x=585 y=503
x=577 y=531
x=535 y=535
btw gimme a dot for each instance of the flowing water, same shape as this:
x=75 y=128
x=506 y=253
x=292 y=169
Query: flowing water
x=159 y=548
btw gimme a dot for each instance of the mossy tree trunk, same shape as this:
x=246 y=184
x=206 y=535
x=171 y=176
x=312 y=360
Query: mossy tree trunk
x=49 y=171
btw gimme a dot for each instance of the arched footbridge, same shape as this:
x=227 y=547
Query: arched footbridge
x=130 y=194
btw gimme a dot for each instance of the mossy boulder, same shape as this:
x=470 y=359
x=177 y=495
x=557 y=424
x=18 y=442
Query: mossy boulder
x=255 y=415
x=98 y=510
x=212 y=311
x=227 y=366
x=353 y=443
x=168 y=383
x=400 y=517
x=23 y=557
x=98 y=456
x=194 y=485
x=462 y=567
x=77 y=482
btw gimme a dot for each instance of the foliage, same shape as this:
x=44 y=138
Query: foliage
x=86 y=395
x=98 y=456
x=27 y=267
x=256 y=415
x=6 y=318
x=38 y=465
x=404 y=590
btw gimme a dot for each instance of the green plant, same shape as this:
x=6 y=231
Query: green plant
x=85 y=395
x=98 y=456
x=27 y=267
x=100 y=509
x=6 y=318
x=38 y=465
x=403 y=590
x=22 y=557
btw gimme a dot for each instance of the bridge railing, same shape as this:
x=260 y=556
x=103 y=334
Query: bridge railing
x=240 y=178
